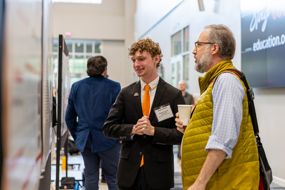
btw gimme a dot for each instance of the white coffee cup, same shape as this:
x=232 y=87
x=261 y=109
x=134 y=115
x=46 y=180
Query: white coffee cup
x=184 y=112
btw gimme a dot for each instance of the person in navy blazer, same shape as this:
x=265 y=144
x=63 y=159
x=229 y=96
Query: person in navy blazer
x=145 y=137
x=89 y=103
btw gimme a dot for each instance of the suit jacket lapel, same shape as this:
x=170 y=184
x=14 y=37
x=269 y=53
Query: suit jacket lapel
x=136 y=93
x=158 y=96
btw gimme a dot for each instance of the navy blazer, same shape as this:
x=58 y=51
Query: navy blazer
x=89 y=103
x=157 y=149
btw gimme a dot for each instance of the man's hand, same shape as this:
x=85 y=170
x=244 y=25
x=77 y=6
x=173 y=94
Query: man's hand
x=143 y=127
x=179 y=124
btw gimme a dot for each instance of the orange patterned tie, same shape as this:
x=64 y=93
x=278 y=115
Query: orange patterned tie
x=145 y=109
x=146 y=100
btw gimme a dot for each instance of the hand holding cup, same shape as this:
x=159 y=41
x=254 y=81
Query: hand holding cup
x=184 y=112
x=179 y=123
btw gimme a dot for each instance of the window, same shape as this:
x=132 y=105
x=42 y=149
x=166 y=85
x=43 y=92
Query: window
x=180 y=55
x=69 y=47
x=79 y=52
x=186 y=39
x=89 y=47
x=185 y=68
x=97 y=47
x=79 y=47
x=176 y=43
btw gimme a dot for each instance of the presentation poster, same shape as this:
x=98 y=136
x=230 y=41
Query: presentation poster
x=22 y=94
x=1 y=60
x=47 y=79
x=263 y=42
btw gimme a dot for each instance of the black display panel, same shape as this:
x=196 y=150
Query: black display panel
x=263 y=42
x=62 y=99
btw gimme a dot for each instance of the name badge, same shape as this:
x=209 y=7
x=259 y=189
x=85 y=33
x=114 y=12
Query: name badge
x=163 y=112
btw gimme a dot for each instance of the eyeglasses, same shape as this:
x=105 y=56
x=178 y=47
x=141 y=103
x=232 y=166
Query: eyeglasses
x=197 y=44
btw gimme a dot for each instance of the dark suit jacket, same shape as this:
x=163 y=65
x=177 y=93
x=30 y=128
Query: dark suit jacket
x=157 y=149
x=188 y=98
x=88 y=106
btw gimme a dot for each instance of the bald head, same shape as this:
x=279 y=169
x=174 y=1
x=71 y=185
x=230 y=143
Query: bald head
x=182 y=85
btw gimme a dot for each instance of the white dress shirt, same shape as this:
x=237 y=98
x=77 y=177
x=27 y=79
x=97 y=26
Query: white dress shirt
x=228 y=94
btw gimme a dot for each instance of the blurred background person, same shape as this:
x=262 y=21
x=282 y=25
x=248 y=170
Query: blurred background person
x=88 y=106
x=188 y=98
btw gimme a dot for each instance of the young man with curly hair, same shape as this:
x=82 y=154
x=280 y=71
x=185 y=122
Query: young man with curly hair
x=147 y=130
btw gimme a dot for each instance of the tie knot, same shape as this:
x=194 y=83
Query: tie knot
x=147 y=87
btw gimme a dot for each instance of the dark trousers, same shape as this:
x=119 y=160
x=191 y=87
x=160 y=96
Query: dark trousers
x=140 y=182
x=109 y=162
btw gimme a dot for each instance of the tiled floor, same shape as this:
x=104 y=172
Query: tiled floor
x=78 y=169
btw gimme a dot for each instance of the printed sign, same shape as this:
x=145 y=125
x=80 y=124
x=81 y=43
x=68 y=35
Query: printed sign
x=263 y=42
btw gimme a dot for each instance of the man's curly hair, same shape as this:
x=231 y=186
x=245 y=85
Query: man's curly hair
x=146 y=45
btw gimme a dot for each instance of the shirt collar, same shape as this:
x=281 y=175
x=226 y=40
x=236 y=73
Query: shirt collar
x=153 y=84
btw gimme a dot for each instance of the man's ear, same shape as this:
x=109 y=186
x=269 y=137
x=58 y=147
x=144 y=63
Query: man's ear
x=215 y=49
x=157 y=59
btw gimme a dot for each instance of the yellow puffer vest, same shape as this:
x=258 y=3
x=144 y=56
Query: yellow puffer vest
x=242 y=170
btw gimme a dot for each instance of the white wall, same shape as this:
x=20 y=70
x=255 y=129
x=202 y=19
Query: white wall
x=270 y=103
x=270 y=108
x=100 y=21
x=112 y=21
x=152 y=13
x=112 y=47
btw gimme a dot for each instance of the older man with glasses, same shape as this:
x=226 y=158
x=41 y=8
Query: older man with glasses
x=218 y=147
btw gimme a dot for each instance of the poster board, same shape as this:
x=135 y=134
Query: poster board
x=1 y=61
x=47 y=84
x=22 y=67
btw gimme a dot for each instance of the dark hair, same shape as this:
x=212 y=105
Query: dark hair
x=223 y=36
x=96 y=65
x=146 y=45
